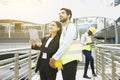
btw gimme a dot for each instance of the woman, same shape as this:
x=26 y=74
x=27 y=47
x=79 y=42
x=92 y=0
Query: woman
x=47 y=46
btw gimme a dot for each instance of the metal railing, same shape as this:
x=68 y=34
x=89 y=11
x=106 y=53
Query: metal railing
x=19 y=66
x=108 y=61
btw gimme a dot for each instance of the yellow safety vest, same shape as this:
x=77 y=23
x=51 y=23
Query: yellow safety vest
x=88 y=40
x=72 y=53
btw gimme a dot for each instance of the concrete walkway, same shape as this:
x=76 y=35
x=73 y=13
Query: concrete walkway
x=79 y=75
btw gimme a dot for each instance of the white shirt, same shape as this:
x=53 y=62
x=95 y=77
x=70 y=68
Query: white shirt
x=67 y=40
x=83 y=38
x=48 y=42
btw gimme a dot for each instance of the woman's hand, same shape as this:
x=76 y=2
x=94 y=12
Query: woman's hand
x=38 y=43
x=31 y=42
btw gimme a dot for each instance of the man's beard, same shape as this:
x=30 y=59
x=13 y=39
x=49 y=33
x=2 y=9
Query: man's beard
x=63 y=20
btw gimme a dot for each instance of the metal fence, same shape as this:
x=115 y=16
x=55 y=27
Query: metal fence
x=108 y=61
x=20 y=66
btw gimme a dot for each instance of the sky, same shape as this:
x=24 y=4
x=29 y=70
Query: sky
x=43 y=11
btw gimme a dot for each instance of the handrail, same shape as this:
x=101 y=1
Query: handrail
x=108 y=46
x=14 y=49
x=108 y=53
x=17 y=60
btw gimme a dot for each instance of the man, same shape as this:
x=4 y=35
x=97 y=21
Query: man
x=64 y=53
x=87 y=42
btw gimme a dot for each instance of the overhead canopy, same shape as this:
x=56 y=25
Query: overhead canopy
x=44 y=11
x=111 y=13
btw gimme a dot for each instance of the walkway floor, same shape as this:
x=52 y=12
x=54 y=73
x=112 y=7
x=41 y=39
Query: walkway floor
x=79 y=75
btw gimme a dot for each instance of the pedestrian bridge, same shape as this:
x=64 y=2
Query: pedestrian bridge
x=17 y=62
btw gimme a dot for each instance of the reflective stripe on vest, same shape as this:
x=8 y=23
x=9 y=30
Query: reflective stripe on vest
x=72 y=53
x=88 y=40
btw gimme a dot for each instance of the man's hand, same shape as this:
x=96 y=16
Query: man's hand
x=52 y=62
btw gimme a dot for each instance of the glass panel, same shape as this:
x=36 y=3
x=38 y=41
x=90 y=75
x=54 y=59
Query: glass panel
x=3 y=30
x=118 y=28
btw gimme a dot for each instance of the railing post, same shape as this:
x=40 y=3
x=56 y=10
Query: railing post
x=30 y=72
x=103 y=65
x=113 y=66
x=96 y=62
x=16 y=66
